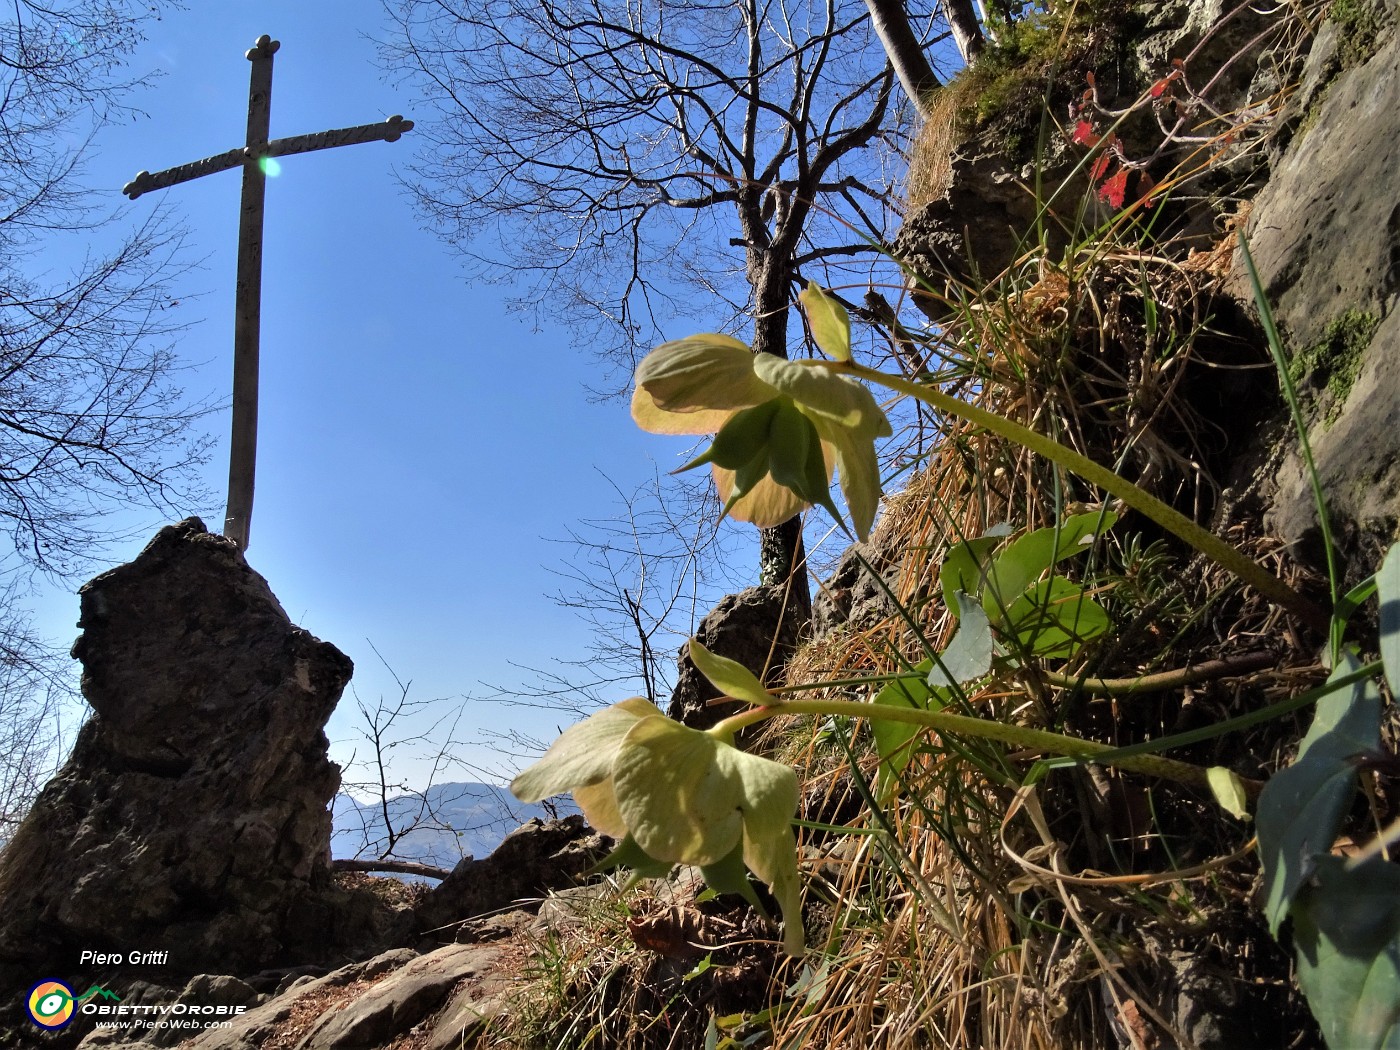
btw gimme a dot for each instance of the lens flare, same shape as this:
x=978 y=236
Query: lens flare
x=270 y=167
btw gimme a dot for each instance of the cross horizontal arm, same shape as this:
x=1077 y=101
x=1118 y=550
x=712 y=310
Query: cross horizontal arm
x=387 y=131
x=145 y=182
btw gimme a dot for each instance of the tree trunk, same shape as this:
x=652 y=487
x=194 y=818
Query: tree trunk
x=780 y=555
x=891 y=23
x=967 y=31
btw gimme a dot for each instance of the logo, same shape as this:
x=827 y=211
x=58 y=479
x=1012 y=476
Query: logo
x=51 y=1003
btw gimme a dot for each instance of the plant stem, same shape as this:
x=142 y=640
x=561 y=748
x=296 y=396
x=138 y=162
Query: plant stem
x=985 y=728
x=1170 y=519
x=1225 y=667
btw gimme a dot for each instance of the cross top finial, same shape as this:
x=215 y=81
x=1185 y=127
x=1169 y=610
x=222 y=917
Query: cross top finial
x=265 y=47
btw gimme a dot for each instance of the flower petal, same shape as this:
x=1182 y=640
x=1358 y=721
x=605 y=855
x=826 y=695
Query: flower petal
x=769 y=802
x=859 y=468
x=656 y=420
x=767 y=504
x=599 y=805
x=680 y=803
x=702 y=372
x=820 y=391
x=583 y=755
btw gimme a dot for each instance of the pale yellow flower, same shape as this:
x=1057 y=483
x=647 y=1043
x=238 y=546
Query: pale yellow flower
x=702 y=384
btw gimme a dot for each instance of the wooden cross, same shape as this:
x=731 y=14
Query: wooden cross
x=252 y=157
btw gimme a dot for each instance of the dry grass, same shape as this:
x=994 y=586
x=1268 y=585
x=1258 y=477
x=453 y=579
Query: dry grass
x=971 y=911
x=930 y=160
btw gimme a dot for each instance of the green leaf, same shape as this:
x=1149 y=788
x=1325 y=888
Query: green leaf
x=1300 y=810
x=729 y=875
x=969 y=653
x=1229 y=791
x=831 y=325
x=741 y=440
x=631 y=856
x=1054 y=617
x=796 y=460
x=859 y=467
x=1346 y=935
x=729 y=676
x=965 y=565
x=1388 y=588
x=1025 y=560
x=894 y=740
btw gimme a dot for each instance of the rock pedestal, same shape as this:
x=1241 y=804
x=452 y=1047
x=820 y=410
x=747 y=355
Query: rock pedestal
x=191 y=818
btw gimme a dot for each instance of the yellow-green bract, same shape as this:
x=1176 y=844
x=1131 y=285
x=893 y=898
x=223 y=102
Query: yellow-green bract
x=682 y=795
x=762 y=470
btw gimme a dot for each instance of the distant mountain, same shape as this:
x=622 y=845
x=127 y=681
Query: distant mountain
x=446 y=823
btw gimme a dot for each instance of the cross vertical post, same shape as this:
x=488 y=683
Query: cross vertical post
x=252 y=157
x=247 y=319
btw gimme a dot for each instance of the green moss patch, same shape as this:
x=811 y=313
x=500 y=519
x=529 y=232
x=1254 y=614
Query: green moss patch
x=1334 y=361
x=1359 y=24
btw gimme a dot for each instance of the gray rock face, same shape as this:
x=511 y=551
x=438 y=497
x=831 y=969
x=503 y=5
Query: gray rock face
x=977 y=229
x=452 y=992
x=191 y=817
x=535 y=858
x=1325 y=236
x=851 y=595
x=756 y=627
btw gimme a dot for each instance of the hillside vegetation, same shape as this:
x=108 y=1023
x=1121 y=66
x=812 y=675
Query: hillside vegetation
x=961 y=892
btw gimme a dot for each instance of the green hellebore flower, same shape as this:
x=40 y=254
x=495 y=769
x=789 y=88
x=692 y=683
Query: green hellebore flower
x=682 y=795
x=766 y=469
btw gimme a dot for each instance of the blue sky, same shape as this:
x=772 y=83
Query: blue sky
x=418 y=444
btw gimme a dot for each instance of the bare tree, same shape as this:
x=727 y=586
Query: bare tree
x=642 y=579
x=30 y=690
x=419 y=829
x=90 y=414
x=635 y=162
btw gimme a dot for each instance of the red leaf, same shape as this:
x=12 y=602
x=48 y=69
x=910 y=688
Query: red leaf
x=1114 y=189
x=1090 y=78
x=1100 y=167
x=1160 y=88
x=1084 y=134
x=1145 y=187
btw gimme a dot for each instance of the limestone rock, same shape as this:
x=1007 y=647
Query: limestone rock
x=402 y=1000
x=1325 y=236
x=850 y=595
x=191 y=817
x=754 y=627
x=535 y=858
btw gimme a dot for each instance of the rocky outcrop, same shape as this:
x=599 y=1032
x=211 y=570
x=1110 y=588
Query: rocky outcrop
x=535 y=858
x=852 y=596
x=371 y=1004
x=191 y=819
x=756 y=627
x=1325 y=237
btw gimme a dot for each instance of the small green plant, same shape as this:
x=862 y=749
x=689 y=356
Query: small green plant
x=676 y=795
x=1345 y=910
x=1359 y=23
